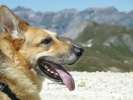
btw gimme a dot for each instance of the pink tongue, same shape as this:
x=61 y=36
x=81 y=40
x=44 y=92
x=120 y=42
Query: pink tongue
x=67 y=79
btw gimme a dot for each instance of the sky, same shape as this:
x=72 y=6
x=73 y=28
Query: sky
x=57 y=5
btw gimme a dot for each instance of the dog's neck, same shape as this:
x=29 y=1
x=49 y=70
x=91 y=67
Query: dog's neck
x=20 y=68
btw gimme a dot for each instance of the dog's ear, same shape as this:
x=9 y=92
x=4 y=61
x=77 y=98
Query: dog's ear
x=19 y=40
x=23 y=25
x=11 y=23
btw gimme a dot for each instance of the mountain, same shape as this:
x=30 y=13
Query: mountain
x=72 y=21
x=105 y=33
x=107 y=48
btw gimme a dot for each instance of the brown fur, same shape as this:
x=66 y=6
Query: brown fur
x=17 y=53
x=24 y=83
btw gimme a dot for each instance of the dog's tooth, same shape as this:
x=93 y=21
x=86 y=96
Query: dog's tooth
x=51 y=72
x=48 y=70
x=56 y=74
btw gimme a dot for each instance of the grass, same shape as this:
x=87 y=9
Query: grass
x=116 y=57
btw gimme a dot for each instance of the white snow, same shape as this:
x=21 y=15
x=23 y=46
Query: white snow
x=92 y=86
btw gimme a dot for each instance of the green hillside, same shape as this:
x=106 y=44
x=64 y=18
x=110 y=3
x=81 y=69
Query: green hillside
x=106 y=48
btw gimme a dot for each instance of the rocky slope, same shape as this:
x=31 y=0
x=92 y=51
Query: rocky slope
x=72 y=21
x=107 y=48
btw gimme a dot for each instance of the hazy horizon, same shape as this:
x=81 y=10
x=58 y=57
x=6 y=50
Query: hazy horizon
x=57 y=5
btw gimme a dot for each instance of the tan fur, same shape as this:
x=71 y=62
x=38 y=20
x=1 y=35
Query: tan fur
x=17 y=73
x=17 y=56
x=31 y=46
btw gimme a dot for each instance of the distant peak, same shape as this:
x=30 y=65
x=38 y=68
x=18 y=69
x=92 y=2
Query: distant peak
x=21 y=8
x=113 y=9
x=108 y=9
x=70 y=10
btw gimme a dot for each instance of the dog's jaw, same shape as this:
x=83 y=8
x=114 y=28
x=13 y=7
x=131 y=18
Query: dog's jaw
x=55 y=72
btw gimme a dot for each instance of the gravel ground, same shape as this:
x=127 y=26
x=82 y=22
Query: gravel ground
x=92 y=86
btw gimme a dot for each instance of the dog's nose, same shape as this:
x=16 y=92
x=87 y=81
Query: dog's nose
x=78 y=50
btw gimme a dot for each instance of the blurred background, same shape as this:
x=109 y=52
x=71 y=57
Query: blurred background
x=103 y=27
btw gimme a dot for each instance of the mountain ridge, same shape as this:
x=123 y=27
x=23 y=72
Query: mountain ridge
x=73 y=21
x=105 y=34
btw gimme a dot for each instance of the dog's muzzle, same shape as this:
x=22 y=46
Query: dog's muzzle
x=73 y=56
x=78 y=50
x=53 y=67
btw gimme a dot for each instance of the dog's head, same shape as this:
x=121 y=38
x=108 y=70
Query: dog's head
x=47 y=52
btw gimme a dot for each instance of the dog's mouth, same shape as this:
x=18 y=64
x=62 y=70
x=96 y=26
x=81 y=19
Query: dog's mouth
x=56 y=72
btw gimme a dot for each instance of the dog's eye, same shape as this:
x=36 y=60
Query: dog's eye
x=46 y=41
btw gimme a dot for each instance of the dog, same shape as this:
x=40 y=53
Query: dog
x=29 y=54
